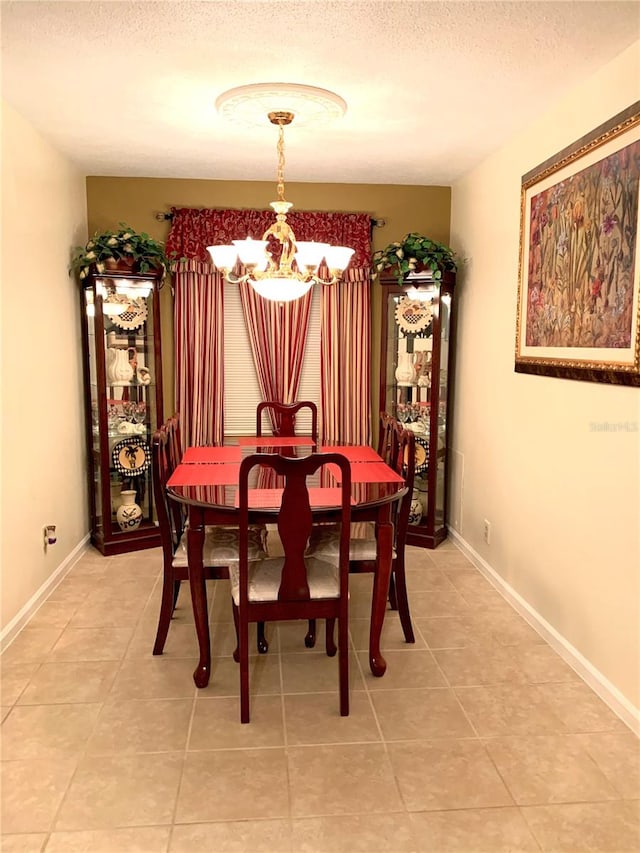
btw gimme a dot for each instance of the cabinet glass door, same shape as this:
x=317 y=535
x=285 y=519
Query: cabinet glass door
x=124 y=378
x=414 y=388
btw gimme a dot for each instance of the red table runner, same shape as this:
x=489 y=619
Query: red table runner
x=276 y=441
x=368 y=472
x=205 y=475
x=353 y=454
x=272 y=498
x=211 y=454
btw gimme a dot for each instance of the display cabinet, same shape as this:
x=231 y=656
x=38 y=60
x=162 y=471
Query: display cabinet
x=416 y=368
x=123 y=389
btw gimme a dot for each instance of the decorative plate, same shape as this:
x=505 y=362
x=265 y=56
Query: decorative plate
x=422 y=455
x=134 y=316
x=131 y=456
x=412 y=315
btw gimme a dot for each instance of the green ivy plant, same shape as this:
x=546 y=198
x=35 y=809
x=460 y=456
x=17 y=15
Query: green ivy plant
x=415 y=251
x=141 y=250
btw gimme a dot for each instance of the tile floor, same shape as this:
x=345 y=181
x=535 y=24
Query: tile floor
x=478 y=738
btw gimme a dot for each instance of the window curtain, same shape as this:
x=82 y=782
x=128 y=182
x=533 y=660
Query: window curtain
x=199 y=335
x=277 y=332
x=198 y=330
x=346 y=358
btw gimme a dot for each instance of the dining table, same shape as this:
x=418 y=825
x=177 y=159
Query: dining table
x=206 y=481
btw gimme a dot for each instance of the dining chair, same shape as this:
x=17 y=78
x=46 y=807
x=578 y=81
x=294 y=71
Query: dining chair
x=221 y=543
x=294 y=586
x=324 y=539
x=386 y=436
x=283 y=417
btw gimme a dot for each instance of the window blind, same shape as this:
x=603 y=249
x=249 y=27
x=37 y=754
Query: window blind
x=241 y=389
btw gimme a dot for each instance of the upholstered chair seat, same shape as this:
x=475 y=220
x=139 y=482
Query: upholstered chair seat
x=324 y=542
x=222 y=547
x=265 y=576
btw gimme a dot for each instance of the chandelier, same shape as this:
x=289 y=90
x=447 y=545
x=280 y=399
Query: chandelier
x=297 y=268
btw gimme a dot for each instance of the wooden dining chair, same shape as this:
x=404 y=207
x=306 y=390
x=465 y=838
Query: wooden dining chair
x=221 y=543
x=386 y=436
x=283 y=417
x=293 y=586
x=324 y=541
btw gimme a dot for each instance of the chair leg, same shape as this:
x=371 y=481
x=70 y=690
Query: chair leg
x=403 y=600
x=343 y=665
x=236 y=651
x=263 y=645
x=244 y=670
x=170 y=591
x=393 y=598
x=330 y=642
x=310 y=639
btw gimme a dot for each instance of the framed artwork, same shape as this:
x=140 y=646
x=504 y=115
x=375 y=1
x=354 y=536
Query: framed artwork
x=578 y=311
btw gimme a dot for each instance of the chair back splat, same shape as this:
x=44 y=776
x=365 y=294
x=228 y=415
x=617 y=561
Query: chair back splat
x=283 y=417
x=386 y=437
x=293 y=586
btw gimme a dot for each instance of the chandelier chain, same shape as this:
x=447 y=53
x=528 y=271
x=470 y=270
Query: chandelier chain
x=280 y=161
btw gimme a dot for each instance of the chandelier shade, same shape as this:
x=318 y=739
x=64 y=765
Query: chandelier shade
x=287 y=270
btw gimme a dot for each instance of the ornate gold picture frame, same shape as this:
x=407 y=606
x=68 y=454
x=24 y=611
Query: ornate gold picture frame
x=578 y=311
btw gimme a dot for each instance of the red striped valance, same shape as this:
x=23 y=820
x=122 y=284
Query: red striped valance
x=192 y=230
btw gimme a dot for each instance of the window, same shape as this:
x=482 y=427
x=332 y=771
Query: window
x=241 y=389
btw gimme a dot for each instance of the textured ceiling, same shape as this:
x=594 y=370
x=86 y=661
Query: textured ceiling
x=128 y=88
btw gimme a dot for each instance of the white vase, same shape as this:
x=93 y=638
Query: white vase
x=415 y=511
x=119 y=369
x=405 y=372
x=128 y=514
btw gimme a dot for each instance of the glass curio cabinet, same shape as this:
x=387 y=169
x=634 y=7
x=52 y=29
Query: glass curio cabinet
x=416 y=369
x=123 y=389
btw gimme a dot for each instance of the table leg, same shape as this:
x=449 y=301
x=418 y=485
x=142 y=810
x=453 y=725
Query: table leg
x=384 y=535
x=197 y=584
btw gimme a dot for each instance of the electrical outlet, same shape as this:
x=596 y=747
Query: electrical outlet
x=487 y=531
x=50 y=536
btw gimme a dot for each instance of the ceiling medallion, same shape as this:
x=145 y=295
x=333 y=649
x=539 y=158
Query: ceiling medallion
x=249 y=106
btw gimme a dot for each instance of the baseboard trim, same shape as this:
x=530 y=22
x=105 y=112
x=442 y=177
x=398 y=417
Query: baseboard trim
x=13 y=628
x=608 y=692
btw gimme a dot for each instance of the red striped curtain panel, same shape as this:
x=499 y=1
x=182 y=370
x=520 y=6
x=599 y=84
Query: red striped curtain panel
x=277 y=332
x=199 y=347
x=346 y=358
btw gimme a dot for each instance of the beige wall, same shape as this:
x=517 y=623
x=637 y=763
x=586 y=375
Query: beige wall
x=43 y=457
x=136 y=200
x=563 y=500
